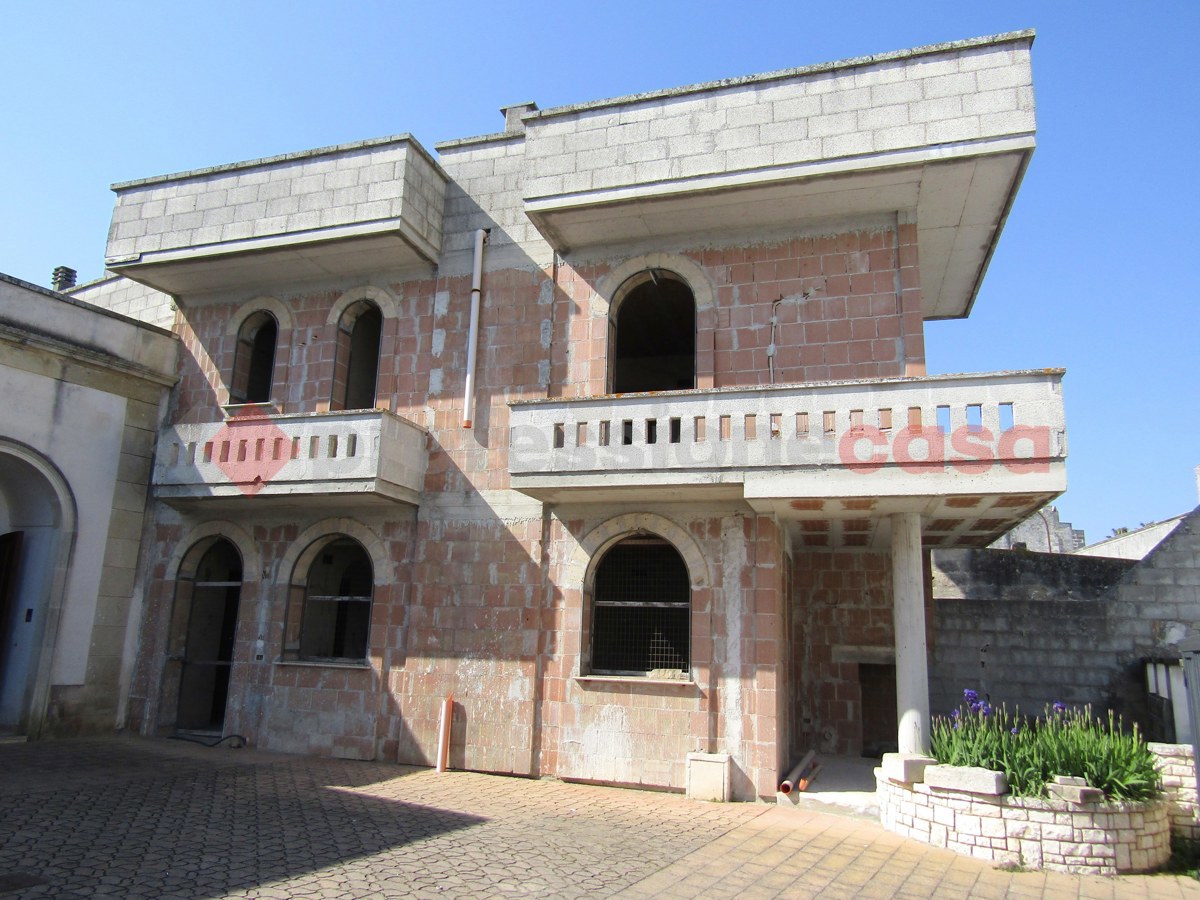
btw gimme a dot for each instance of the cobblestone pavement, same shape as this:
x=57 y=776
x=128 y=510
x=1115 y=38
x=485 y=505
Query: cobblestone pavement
x=161 y=819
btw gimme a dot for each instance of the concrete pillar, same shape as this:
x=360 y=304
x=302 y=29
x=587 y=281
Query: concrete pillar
x=908 y=611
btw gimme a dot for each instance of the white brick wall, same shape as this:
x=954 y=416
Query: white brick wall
x=951 y=95
x=486 y=191
x=358 y=183
x=120 y=295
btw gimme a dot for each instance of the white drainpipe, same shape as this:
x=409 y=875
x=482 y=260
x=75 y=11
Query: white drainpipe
x=473 y=334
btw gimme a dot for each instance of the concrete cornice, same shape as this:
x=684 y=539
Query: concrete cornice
x=22 y=335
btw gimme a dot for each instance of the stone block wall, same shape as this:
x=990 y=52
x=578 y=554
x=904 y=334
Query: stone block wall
x=1177 y=764
x=1084 y=839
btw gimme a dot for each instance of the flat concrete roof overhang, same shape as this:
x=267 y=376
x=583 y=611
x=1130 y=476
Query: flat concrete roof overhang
x=959 y=196
x=825 y=509
x=315 y=495
x=326 y=253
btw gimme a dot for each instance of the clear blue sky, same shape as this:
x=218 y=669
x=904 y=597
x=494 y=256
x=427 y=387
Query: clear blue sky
x=1094 y=272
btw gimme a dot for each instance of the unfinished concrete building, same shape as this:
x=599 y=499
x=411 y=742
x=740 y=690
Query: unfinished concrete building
x=614 y=425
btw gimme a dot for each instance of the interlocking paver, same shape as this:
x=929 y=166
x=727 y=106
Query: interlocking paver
x=155 y=819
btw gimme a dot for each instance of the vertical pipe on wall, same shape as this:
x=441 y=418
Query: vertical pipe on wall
x=443 y=750
x=473 y=332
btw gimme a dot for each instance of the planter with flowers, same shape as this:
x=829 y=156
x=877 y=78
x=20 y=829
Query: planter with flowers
x=1066 y=791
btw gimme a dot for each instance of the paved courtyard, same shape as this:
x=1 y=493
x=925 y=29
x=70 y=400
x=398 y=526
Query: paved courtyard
x=157 y=819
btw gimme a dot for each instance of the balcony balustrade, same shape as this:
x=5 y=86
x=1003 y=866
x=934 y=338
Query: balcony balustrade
x=361 y=456
x=981 y=448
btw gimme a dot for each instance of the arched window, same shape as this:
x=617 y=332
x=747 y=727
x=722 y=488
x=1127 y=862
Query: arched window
x=641 y=610
x=206 y=614
x=652 y=335
x=254 y=359
x=356 y=367
x=336 y=620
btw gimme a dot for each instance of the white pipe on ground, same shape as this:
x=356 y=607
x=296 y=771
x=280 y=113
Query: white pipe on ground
x=473 y=332
x=443 y=750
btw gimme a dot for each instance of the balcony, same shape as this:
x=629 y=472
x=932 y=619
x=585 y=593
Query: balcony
x=938 y=136
x=367 y=456
x=369 y=206
x=974 y=454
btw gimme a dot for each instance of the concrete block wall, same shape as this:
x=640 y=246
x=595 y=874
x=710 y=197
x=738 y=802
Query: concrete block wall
x=480 y=628
x=851 y=309
x=960 y=92
x=841 y=603
x=388 y=178
x=486 y=190
x=1028 y=629
x=294 y=707
x=631 y=731
x=475 y=632
x=120 y=295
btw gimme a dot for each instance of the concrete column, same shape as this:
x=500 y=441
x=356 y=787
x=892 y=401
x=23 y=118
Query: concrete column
x=908 y=611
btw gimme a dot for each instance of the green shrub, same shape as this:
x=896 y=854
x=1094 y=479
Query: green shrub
x=1030 y=752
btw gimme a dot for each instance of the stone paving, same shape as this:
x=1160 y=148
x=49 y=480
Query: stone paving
x=166 y=819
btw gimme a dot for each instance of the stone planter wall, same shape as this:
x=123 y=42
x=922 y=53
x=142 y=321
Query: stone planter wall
x=1085 y=838
x=1178 y=767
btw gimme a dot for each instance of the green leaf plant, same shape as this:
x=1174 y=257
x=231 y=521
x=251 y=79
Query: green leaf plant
x=1031 y=751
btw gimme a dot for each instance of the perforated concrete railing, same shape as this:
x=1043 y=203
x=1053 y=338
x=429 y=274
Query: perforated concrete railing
x=971 y=422
x=363 y=451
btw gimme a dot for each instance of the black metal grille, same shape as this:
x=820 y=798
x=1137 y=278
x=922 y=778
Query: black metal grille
x=641 y=620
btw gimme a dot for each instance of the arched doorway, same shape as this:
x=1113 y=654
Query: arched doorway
x=652 y=339
x=36 y=526
x=205 y=624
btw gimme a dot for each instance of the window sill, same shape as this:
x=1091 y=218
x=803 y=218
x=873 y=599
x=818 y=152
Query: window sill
x=635 y=679
x=250 y=410
x=325 y=663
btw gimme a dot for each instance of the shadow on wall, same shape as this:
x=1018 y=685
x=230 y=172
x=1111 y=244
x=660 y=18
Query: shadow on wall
x=1028 y=629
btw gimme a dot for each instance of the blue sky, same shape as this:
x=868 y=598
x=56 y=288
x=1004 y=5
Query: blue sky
x=1094 y=271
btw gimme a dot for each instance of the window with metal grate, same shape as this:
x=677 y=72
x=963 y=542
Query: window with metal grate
x=641 y=611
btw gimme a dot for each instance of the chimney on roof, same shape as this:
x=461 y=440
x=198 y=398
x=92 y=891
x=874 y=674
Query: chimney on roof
x=512 y=116
x=63 y=278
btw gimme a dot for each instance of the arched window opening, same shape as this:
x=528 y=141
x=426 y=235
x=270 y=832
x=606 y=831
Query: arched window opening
x=336 y=620
x=654 y=336
x=641 y=610
x=356 y=369
x=254 y=360
x=211 y=615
